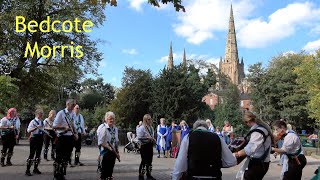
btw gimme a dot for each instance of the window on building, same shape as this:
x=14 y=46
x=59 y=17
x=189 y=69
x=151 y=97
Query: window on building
x=211 y=101
x=241 y=103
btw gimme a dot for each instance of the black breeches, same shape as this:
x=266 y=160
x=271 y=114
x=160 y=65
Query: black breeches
x=36 y=146
x=256 y=170
x=64 y=148
x=108 y=161
x=77 y=144
x=294 y=169
x=146 y=153
x=8 y=143
x=47 y=140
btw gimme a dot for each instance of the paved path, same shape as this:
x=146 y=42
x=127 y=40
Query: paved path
x=126 y=170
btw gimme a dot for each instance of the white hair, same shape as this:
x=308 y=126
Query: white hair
x=69 y=101
x=200 y=123
x=110 y=114
x=208 y=121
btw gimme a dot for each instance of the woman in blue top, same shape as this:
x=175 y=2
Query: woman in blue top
x=184 y=129
x=162 y=132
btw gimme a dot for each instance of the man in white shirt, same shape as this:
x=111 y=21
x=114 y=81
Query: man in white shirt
x=63 y=124
x=294 y=160
x=202 y=154
x=257 y=151
x=79 y=125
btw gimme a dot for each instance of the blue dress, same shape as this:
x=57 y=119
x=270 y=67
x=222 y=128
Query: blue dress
x=161 y=130
x=184 y=131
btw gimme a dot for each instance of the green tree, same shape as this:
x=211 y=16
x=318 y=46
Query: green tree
x=8 y=92
x=309 y=77
x=94 y=93
x=276 y=92
x=133 y=100
x=177 y=94
x=228 y=108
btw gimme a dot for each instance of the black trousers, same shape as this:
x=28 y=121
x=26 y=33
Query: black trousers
x=8 y=143
x=47 y=140
x=295 y=170
x=36 y=143
x=108 y=161
x=256 y=170
x=146 y=153
x=63 y=152
x=77 y=143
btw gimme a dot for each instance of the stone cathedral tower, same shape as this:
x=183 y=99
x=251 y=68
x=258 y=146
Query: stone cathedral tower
x=170 y=58
x=230 y=65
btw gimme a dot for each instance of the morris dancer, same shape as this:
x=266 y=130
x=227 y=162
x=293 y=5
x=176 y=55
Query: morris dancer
x=48 y=126
x=79 y=125
x=108 y=140
x=293 y=158
x=10 y=126
x=63 y=124
x=257 y=150
x=36 y=142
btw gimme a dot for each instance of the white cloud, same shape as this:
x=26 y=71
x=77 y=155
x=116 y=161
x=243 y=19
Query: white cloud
x=137 y=4
x=176 y=57
x=130 y=51
x=288 y=53
x=205 y=17
x=282 y=23
x=312 y=46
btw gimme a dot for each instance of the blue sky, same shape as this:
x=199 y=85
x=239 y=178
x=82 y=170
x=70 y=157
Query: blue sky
x=138 y=35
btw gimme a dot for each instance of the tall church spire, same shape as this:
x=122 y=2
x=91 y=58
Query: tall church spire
x=231 y=66
x=170 y=58
x=184 y=60
x=231 y=54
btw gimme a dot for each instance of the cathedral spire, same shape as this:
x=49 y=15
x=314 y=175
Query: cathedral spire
x=231 y=54
x=170 y=58
x=184 y=60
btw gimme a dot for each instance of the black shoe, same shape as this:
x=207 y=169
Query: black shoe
x=9 y=163
x=149 y=177
x=80 y=164
x=71 y=165
x=158 y=156
x=36 y=171
x=141 y=177
x=28 y=173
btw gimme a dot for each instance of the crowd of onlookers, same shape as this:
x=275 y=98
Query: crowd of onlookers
x=169 y=137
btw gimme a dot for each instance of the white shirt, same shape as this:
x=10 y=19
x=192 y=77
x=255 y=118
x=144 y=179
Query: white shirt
x=79 y=123
x=291 y=143
x=143 y=134
x=61 y=120
x=12 y=122
x=181 y=165
x=211 y=129
x=47 y=124
x=256 y=148
x=33 y=124
x=104 y=135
